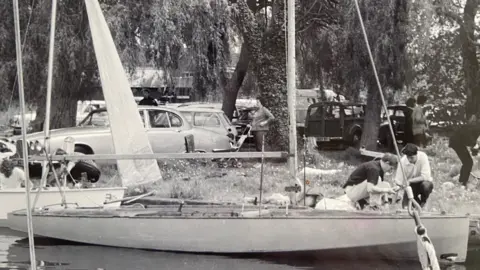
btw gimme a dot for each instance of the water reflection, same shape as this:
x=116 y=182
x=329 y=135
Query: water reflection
x=55 y=254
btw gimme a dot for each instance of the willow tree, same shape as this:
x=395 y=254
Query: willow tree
x=163 y=33
x=188 y=35
x=74 y=66
x=386 y=26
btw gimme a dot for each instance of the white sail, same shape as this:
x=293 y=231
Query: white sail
x=128 y=132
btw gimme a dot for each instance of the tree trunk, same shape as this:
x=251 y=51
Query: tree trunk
x=234 y=84
x=470 y=61
x=268 y=57
x=372 y=117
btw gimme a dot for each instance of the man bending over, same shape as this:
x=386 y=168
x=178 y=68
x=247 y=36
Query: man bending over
x=418 y=173
x=365 y=179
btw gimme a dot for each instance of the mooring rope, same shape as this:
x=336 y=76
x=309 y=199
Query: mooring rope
x=425 y=248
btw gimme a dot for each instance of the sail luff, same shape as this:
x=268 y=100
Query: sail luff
x=128 y=133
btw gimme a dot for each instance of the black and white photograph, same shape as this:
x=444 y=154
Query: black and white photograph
x=239 y=134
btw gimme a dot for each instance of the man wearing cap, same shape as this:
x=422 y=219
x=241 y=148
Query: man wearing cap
x=147 y=99
x=368 y=179
x=417 y=172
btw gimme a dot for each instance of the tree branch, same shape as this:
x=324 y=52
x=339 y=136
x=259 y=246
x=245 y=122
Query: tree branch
x=249 y=28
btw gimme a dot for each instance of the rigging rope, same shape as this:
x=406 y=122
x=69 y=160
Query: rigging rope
x=426 y=250
x=23 y=47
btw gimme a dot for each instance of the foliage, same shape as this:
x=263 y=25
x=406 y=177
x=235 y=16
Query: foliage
x=198 y=40
x=442 y=55
x=196 y=32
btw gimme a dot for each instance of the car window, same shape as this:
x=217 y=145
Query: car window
x=316 y=111
x=206 y=119
x=333 y=112
x=175 y=120
x=358 y=111
x=399 y=113
x=188 y=116
x=158 y=119
x=142 y=116
x=348 y=111
x=99 y=119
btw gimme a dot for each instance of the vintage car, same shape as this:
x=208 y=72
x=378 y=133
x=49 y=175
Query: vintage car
x=397 y=118
x=208 y=118
x=166 y=129
x=332 y=122
x=342 y=123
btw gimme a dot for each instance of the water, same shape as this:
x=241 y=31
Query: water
x=55 y=254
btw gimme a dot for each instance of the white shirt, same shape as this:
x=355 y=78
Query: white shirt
x=14 y=181
x=420 y=168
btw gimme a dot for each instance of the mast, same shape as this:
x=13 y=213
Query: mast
x=291 y=88
x=18 y=43
x=49 y=77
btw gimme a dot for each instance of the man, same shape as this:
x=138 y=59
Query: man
x=417 y=173
x=147 y=99
x=408 y=134
x=262 y=118
x=11 y=176
x=419 y=123
x=461 y=140
x=365 y=180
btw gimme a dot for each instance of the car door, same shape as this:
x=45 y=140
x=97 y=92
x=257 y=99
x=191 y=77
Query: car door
x=165 y=131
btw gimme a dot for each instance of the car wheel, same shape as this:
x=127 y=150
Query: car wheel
x=82 y=149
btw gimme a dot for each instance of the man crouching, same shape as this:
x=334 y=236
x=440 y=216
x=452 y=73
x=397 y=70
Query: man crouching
x=368 y=179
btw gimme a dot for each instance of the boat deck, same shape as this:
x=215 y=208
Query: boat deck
x=227 y=211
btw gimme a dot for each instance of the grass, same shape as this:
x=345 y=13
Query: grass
x=204 y=180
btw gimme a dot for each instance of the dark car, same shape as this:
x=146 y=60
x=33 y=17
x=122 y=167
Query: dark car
x=397 y=118
x=342 y=123
x=335 y=123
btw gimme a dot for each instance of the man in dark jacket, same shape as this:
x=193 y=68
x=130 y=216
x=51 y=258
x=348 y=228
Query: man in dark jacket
x=147 y=99
x=461 y=140
x=408 y=135
x=365 y=179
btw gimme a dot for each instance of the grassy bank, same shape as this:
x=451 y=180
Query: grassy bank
x=205 y=180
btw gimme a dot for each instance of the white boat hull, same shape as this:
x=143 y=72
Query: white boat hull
x=195 y=231
x=15 y=199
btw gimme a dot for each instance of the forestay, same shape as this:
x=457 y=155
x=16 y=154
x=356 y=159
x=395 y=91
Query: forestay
x=128 y=132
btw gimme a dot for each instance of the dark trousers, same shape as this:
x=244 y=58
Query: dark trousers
x=421 y=192
x=258 y=135
x=420 y=140
x=467 y=162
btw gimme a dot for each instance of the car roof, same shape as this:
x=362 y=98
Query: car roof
x=200 y=105
x=336 y=103
x=198 y=109
x=162 y=107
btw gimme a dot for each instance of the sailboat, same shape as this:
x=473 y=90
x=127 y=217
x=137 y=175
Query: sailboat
x=228 y=229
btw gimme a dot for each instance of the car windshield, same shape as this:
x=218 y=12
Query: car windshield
x=98 y=119
x=226 y=119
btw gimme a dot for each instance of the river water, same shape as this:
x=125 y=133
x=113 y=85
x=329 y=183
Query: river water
x=55 y=254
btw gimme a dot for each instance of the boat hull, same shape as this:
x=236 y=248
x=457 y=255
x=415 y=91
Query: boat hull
x=15 y=199
x=301 y=231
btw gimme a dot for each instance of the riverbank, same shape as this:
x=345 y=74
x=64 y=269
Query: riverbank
x=204 y=180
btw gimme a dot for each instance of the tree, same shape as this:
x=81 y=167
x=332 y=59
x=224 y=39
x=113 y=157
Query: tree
x=140 y=31
x=386 y=26
x=265 y=40
x=470 y=64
